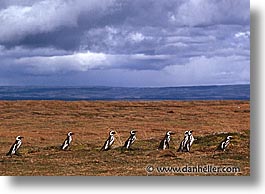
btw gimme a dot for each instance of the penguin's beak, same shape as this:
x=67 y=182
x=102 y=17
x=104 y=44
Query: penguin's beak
x=172 y=133
x=21 y=137
x=72 y=133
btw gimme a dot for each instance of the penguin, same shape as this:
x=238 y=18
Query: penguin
x=108 y=143
x=14 y=148
x=183 y=142
x=130 y=140
x=67 y=141
x=164 y=144
x=190 y=141
x=223 y=145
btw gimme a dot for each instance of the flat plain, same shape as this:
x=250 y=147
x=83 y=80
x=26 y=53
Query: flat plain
x=44 y=125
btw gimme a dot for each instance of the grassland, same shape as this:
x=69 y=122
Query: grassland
x=44 y=124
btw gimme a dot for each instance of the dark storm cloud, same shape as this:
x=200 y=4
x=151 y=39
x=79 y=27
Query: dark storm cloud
x=40 y=17
x=152 y=39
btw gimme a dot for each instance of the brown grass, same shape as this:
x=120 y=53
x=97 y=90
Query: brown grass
x=44 y=125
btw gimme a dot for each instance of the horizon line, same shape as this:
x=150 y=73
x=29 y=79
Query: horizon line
x=102 y=86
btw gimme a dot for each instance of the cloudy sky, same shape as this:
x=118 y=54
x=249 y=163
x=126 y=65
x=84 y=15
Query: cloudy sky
x=124 y=43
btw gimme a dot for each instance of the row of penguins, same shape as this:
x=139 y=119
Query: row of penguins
x=184 y=146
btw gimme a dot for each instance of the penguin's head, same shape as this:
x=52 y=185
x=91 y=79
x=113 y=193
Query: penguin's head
x=170 y=133
x=133 y=132
x=190 y=132
x=186 y=133
x=229 y=137
x=70 y=133
x=19 y=137
x=112 y=132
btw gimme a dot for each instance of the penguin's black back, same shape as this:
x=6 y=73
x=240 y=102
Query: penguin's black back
x=13 y=147
x=129 y=141
x=161 y=145
x=106 y=142
x=222 y=146
x=66 y=141
x=126 y=142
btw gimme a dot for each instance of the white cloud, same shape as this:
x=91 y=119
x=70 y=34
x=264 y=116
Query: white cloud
x=20 y=51
x=242 y=34
x=136 y=37
x=64 y=63
x=87 y=61
x=213 y=70
x=208 y=12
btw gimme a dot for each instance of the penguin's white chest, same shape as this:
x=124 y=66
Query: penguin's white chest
x=70 y=139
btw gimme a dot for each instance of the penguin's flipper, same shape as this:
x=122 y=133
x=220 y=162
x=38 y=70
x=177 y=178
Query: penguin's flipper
x=167 y=144
x=160 y=147
x=127 y=144
x=9 y=153
x=105 y=147
x=64 y=147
